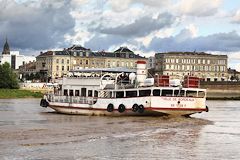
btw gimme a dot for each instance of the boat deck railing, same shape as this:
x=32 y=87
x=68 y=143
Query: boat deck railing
x=72 y=99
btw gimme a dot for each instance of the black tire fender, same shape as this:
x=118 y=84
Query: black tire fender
x=141 y=108
x=121 y=108
x=135 y=107
x=110 y=107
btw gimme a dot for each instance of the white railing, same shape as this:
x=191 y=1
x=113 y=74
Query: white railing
x=72 y=99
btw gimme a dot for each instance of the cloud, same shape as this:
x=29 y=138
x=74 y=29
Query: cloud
x=226 y=42
x=120 y=6
x=140 y=27
x=35 y=25
x=104 y=42
x=236 y=17
x=198 y=8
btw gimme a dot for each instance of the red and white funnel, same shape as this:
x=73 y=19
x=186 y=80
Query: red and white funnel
x=141 y=72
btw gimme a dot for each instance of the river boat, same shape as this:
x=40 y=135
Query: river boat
x=117 y=92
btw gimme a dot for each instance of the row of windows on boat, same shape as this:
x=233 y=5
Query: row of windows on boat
x=134 y=93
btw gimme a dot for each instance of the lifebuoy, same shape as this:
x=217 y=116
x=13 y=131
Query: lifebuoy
x=141 y=108
x=110 y=107
x=135 y=108
x=121 y=108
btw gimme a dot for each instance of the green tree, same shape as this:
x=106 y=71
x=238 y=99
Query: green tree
x=8 y=79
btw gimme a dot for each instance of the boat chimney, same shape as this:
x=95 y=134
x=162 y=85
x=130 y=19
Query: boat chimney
x=141 y=72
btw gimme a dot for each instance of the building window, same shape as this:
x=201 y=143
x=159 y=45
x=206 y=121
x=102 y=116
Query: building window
x=68 y=61
x=62 y=68
x=86 y=62
x=68 y=68
x=57 y=60
x=62 y=61
x=57 y=68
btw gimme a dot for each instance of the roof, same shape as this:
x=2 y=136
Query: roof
x=51 y=53
x=123 y=50
x=78 y=48
x=188 y=53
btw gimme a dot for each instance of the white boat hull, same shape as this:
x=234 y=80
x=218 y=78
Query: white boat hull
x=153 y=106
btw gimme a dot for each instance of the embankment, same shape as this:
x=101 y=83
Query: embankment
x=222 y=90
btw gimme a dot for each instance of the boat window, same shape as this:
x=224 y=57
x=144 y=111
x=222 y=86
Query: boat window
x=76 y=92
x=156 y=92
x=95 y=93
x=144 y=93
x=131 y=94
x=120 y=94
x=71 y=92
x=167 y=92
x=201 y=94
x=89 y=93
x=178 y=93
x=191 y=93
x=65 y=92
x=83 y=92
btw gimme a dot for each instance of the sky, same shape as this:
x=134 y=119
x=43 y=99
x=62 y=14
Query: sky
x=144 y=26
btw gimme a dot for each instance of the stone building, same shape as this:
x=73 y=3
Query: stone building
x=85 y=58
x=206 y=66
x=233 y=75
x=151 y=62
x=55 y=64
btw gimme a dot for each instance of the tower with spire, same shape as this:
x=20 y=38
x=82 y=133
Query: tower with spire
x=6 y=48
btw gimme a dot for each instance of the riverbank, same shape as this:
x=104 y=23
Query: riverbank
x=18 y=93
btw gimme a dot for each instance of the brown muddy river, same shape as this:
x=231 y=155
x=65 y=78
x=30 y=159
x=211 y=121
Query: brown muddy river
x=28 y=131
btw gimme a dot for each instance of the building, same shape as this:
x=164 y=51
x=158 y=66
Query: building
x=27 y=70
x=233 y=75
x=85 y=58
x=55 y=64
x=206 y=66
x=14 y=58
x=151 y=62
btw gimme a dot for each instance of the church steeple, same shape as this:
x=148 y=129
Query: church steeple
x=6 y=48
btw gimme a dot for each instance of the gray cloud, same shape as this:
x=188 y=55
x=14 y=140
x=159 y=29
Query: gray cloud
x=103 y=42
x=140 y=27
x=35 y=25
x=226 y=42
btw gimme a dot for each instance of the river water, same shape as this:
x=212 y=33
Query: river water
x=28 y=131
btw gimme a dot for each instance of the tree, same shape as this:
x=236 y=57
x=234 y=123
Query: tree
x=8 y=79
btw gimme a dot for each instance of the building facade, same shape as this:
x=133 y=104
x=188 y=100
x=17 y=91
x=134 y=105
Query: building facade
x=53 y=64
x=151 y=62
x=85 y=58
x=14 y=58
x=56 y=64
x=206 y=66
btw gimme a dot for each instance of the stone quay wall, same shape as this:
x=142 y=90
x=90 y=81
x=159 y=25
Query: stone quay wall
x=222 y=90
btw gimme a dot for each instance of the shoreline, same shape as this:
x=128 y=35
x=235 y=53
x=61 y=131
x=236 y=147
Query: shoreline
x=19 y=93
